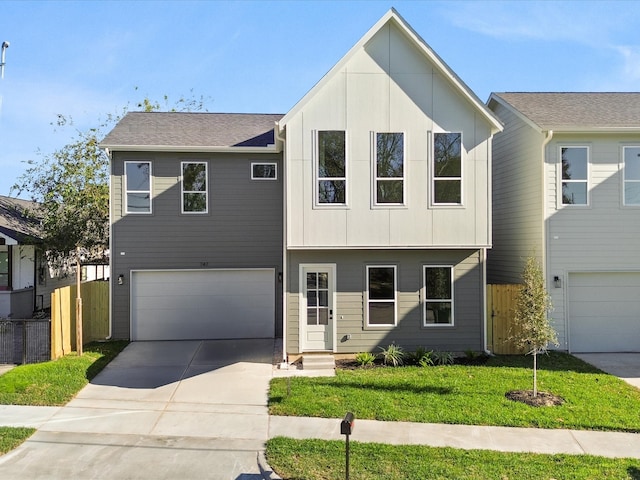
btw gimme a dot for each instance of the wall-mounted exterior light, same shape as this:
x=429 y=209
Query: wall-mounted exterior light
x=121 y=279
x=557 y=282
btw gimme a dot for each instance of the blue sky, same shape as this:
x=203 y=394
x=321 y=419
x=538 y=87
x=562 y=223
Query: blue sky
x=90 y=58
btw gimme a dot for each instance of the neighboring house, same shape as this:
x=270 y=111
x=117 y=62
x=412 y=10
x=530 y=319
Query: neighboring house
x=566 y=188
x=26 y=281
x=361 y=219
x=18 y=271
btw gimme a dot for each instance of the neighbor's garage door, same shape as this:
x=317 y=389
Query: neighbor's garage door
x=604 y=312
x=202 y=304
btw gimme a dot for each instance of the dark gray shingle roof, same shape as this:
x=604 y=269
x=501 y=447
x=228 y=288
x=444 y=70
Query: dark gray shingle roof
x=16 y=220
x=178 y=129
x=579 y=111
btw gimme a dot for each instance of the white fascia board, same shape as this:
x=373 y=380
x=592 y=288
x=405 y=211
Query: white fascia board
x=187 y=148
x=596 y=129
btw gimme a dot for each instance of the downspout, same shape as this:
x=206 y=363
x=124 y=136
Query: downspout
x=545 y=240
x=108 y=337
x=282 y=140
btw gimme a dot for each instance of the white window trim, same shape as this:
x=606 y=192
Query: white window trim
x=395 y=297
x=274 y=164
x=560 y=203
x=375 y=178
x=317 y=178
x=127 y=192
x=183 y=191
x=624 y=178
x=432 y=175
x=426 y=300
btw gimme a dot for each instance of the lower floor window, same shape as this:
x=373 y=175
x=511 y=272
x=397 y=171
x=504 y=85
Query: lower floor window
x=381 y=295
x=5 y=284
x=438 y=294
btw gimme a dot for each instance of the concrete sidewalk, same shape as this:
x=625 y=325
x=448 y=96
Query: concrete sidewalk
x=468 y=437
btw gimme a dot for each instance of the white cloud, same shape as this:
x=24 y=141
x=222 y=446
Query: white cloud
x=588 y=23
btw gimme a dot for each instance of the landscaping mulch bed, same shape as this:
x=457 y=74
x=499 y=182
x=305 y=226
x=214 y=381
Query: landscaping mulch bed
x=542 y=399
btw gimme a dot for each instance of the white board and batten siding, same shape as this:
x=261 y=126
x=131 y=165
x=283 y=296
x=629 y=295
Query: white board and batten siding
x=202 y=304
x=387 y=86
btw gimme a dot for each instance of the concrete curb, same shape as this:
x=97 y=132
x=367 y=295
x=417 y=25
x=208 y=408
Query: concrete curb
x=266 y=471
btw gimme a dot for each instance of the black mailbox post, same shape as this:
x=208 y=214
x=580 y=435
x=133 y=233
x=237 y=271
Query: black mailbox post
x=346 y=428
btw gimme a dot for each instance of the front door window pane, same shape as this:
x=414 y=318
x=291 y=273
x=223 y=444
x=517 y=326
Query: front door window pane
x=317 y=298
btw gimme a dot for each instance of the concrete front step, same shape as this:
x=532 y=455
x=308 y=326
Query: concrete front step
x=318 y=362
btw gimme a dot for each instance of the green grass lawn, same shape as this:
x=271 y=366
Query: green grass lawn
x=471 y=395
x=11 y=437
x=56 y=382
x=325 y=460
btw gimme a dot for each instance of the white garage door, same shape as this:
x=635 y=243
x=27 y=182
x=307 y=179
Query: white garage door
x=202 y=304
x=604 y=312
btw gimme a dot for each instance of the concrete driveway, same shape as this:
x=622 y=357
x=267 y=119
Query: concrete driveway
x=623 y=365
x=160 y=410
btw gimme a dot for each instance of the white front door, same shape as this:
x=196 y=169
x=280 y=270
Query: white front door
x=316 y=308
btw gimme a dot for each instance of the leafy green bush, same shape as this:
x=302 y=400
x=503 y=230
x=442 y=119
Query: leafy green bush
x=426 y=360
x=443 y=358
x=392 y=355
x=365 y=359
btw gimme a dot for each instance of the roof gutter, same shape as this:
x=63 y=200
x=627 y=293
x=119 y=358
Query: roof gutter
x=190 y=148
x=280 y=143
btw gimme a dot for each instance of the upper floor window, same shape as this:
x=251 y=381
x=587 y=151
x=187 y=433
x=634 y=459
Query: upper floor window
x=331 y=165
x=264 y=171
x=575 y=175
x=447 y=169
x=138 y=187
x=389 y=173
x=194 y=187
x=631 y=175
x=438 y=294
x=381 y=295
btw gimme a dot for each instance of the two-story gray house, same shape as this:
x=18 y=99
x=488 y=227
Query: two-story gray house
x=566 y=188
x=359 y=218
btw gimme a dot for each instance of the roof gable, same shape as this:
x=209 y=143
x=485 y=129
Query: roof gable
x=573 y=111
x=393 y=17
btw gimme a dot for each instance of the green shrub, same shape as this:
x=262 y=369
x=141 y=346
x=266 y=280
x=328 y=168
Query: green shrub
x=365 y=359
x=426 y=360
x=392 y=355
x=443 y=358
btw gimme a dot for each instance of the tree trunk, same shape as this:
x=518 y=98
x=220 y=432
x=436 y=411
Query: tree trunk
x=535 y=373
x=78 y=305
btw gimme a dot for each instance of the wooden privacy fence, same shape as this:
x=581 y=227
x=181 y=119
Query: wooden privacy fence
x=95 y=316
x=501 y=302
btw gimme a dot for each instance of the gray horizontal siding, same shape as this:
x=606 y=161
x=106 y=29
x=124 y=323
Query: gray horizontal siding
x=409 y=333
x=242 y=229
